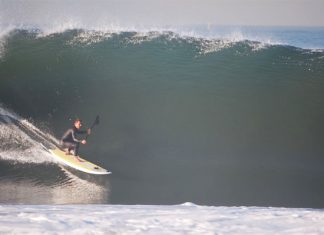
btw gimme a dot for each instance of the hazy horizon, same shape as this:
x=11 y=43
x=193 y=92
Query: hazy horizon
x=166 y=12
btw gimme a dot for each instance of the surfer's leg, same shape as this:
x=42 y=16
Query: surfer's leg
x=72 y=146
x=69 y=146
x=76 y=152
x=76 y=148
x=64 y=146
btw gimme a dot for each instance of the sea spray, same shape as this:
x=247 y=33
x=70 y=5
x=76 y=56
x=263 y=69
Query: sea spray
x=21 y=141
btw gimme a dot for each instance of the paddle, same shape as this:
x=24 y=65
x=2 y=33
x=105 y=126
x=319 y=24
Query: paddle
x=96 y=122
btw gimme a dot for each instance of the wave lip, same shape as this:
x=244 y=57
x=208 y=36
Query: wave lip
x=305 y=38
x=51 y=17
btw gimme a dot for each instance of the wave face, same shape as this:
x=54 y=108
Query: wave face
x=213 y=120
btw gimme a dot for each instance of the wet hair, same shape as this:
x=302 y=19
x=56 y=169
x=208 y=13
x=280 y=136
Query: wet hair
x=77 y=120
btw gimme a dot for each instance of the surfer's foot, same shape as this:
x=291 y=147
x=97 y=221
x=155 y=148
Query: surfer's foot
x=67 y=153
x=79 y=159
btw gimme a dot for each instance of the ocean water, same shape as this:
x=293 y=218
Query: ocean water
x=222 y=116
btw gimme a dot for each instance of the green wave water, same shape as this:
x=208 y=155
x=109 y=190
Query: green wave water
x=214 y=122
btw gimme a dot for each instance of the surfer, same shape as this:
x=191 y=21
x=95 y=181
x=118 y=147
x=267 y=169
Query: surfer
x=69 y=140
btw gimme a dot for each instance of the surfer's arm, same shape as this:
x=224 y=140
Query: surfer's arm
x=88 y=131
x=82 y=132
x=73 y=135
x=67 y=135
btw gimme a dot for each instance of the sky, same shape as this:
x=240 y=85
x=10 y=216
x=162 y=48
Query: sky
x=166 y=12
x=230 y=12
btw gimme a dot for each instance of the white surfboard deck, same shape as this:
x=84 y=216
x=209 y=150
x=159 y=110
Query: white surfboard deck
x=83 y=165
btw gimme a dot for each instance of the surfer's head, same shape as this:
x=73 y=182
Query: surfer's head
x=78 y=123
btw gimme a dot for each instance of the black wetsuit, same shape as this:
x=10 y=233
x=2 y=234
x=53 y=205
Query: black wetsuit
x=70 y=141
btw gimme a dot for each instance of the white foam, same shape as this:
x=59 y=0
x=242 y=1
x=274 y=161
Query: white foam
x=95 y=32
x=141 y=219
x=69 y=190
x=17 y=145
x=4 y=33
x=89 y=37
x=213 y=38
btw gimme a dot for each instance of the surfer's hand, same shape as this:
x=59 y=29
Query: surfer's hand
x=83 y=141
x=89 y=131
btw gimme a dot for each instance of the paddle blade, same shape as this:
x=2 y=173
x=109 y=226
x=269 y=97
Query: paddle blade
x=96 y=122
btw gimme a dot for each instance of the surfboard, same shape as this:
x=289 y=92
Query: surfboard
x=82 y=165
